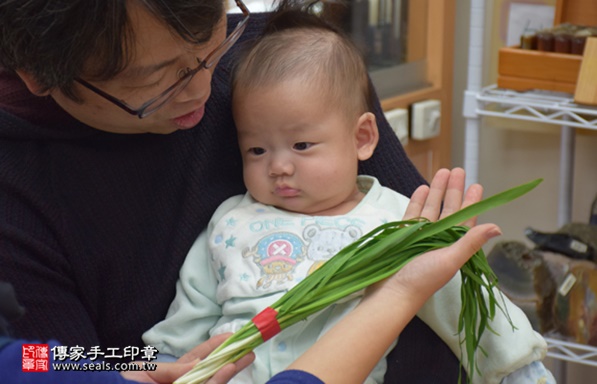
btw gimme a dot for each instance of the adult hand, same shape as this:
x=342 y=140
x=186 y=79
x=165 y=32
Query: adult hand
x=425 y=274
x=385 y=310
x=447 y=188
x=168 y=372
x=164 y=373
x=445 y=195
x=227 y=371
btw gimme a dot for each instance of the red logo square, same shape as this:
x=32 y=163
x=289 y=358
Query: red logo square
x=35 y=358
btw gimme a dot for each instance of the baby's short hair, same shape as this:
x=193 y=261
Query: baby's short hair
x=298 y=45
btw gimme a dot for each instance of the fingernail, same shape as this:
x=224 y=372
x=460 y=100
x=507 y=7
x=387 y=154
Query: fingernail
x=494 y=232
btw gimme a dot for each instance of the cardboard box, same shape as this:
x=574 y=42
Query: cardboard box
x=522 y=69
x=586 y=88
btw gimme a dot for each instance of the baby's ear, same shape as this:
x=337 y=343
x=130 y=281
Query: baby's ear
x=366 y=135
x=31 y=83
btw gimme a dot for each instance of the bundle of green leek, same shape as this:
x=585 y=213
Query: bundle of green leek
x=376 y=256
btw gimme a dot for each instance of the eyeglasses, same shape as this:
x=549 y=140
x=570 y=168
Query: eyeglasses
x=159 y=101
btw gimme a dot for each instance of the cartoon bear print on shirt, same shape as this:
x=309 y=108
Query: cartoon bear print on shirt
x=324 y=243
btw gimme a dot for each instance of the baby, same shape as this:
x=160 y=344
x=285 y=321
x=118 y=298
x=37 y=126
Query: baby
x=302 y=105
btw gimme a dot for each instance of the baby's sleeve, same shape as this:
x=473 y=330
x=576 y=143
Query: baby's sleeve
x=194 y=310
x=508 y=349
x=534 y=373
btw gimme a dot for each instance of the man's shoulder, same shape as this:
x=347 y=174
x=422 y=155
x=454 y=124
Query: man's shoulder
x=256 y=23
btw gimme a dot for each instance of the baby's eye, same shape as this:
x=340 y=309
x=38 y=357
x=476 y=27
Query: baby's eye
x=302 y=146
x=256 y=151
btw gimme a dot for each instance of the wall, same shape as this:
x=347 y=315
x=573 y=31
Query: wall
x=513 y=152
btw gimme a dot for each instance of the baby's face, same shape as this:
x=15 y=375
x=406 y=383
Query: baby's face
x=300 y=152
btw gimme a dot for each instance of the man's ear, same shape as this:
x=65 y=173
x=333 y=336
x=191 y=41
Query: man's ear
x=366 y=135
x=31 y=83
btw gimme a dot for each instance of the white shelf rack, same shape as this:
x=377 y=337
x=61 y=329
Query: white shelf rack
x=572 y=352
x=543 y=107
x=540 y=106
x=537 y=106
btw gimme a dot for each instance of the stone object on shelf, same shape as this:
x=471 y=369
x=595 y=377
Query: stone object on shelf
x=557 y=293
x=574 y=240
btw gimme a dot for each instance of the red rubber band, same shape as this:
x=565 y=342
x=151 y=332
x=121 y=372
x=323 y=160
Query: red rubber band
x=267 y=324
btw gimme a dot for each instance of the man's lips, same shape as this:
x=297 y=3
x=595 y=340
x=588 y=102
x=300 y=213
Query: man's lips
x=190 y=119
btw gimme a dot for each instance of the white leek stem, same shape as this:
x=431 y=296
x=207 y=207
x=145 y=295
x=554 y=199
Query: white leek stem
x=206 y=368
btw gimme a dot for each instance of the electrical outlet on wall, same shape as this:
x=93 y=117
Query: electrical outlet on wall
x=398 y=119
x=425 y=119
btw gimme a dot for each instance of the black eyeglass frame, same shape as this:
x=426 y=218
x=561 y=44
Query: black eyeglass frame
x=171 y=92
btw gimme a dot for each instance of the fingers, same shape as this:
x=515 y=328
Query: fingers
x=204 y=349
x=437 y=191
x=420 y=278
x=444 y=196
x=437 y=267
x=168 y=372
x=473 y=195
x=229 y=370
x=426 y=201
x=449 y=260
x=469 y=244
x=226 y=372
x=453 y=192
x=223 y=375
x=244 y=361
x=417 y=202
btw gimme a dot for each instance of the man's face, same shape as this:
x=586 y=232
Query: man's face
x=159 y=56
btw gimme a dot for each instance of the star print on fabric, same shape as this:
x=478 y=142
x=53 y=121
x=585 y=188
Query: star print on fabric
x=230 y=241
x=231 y=222
x=244 y=277
x=222 y=271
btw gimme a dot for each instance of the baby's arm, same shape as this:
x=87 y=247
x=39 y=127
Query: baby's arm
x=534 y=373
x=194 y=310
x=508 y=351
